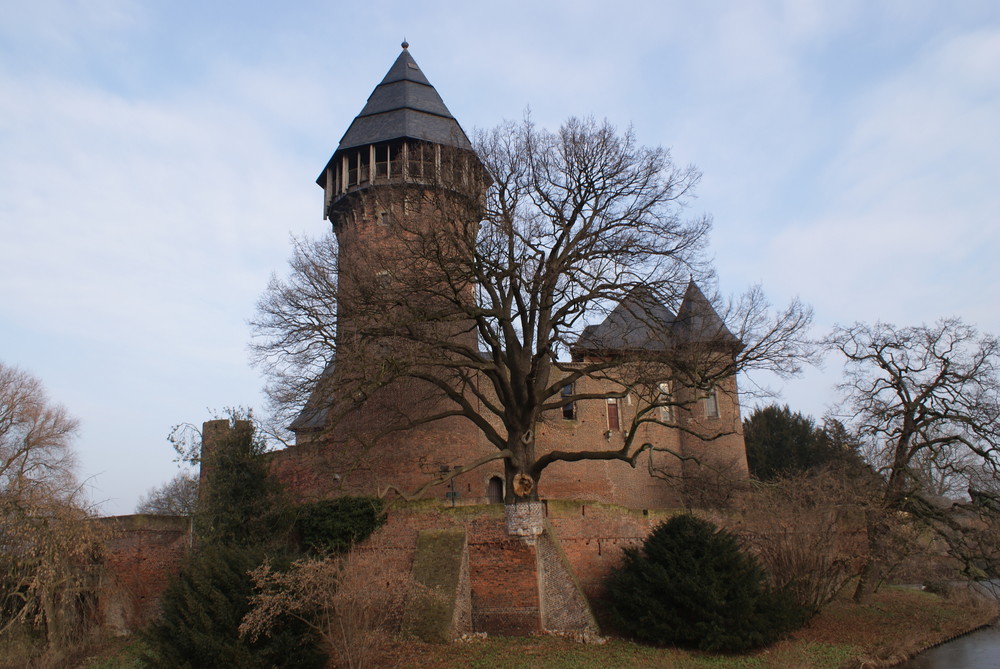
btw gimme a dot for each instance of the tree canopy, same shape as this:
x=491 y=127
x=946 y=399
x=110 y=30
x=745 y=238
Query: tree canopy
x=176 y=497
x=781 y=442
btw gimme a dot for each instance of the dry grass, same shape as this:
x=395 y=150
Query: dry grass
x=894 y=625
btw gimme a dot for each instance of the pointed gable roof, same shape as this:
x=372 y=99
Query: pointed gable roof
x=638 y=323
x=403 y=106
x=641 y=323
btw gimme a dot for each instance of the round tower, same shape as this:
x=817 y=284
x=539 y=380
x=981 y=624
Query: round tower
x=403 y=192
x=404 y=170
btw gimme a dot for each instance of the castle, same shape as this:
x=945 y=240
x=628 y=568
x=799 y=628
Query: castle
x=511 y=568
x=509 y=558
x=402 y=142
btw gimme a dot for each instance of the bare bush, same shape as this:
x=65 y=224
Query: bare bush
x=354 y=601
x=48 y=544
x=804 y=530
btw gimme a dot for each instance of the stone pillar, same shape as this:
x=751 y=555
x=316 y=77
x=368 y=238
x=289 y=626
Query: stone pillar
x=526 y=519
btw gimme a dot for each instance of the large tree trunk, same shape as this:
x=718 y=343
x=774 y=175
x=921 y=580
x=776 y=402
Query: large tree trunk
x=872 y=569
x=522 y=480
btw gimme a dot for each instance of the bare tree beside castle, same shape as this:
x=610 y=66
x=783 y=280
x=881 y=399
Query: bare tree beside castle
x=925 y=402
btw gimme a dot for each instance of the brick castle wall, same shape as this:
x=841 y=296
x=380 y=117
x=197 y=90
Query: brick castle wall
x=141 y=556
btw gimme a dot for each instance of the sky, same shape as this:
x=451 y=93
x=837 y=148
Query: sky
x=156 y=157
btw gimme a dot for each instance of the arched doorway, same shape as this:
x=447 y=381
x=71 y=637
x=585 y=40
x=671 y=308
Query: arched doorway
x=494 y=490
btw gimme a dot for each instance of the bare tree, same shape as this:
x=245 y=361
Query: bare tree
x=474 y=296
x=46 y=538
x=176 y=497
x=926 y=402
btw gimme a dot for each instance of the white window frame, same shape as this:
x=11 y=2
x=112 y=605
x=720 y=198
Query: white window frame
x=712 y=404
x=665 y=395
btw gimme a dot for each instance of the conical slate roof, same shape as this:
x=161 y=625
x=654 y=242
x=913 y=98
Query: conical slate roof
x=641 y=323
x=403 y=105
x=698 y=321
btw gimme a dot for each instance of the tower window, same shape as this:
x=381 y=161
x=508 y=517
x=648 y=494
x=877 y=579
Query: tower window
x=382 y=161
x=352 y=169
x=568 y=410
x=421 y=163
x=364 y=164
x=395 y=161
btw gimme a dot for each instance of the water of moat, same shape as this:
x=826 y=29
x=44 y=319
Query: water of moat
x=979 y=650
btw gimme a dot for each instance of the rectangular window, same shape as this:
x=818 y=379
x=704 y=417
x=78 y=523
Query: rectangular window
x=613 y=423
x=712 y=404
x=568 y=410
x=421 y=162
x=666 y=408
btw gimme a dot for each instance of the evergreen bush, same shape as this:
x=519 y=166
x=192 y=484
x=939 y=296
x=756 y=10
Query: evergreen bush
x=202 y=611
x=692 y=586
x=333 y=526
x=242 y=504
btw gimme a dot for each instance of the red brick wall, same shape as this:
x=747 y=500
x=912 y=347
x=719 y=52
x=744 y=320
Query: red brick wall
x=409 y=459
x=142 y=554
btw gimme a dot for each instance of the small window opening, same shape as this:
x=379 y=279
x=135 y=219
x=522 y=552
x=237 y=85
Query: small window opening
x=568 y=410
x=382 y=162
x=396 y=161
x=421 y=162
x=712 y=404
x=363 y=167
x=613 y=422
x=352 y=169
x=666 y=408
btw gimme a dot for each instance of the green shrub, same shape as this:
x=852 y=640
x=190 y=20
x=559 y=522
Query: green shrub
x=242 y=503
x=333 y=526
x=692 y=586
x=202 y=611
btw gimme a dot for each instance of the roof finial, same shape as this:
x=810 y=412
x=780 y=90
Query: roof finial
x=405 y=44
